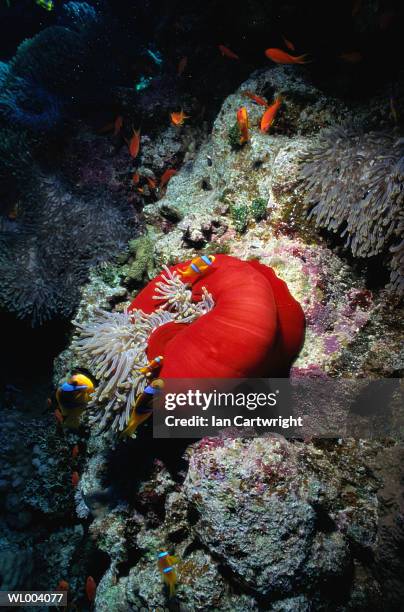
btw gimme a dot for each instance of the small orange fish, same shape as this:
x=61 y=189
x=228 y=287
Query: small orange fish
x=134 y=143
x=136 y=178
x=118 y=123
x=58 y=416
x=75 y=451
x=63 y=585
x=353 y=57
x=268 y=117
x=91 y=588
x=288 y=44
x=182 y=64
x=178 y=118
x=140 y=189
x=152 y=183
x=165 y=563
x=198 y=266
x=226 y=52
x=242 y=120
x=281 y=57
x=75 y=479
x=167 y=174
x=255 y=98
x=152 y=366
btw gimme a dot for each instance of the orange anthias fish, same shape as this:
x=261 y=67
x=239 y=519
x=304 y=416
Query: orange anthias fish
x=63 y=585
x=178 y=118
x=268 y=117
x=136 y=178
x=288 y=44
x=226 y=52
x=198 y=266
x=353 y=57
x=165 y=563
x=75 y=479
x=118 y=123
x=134 y=143
x=182 y=64
x=151 y=182
x=242 y=120
x=91 y=588
x=75 y=451
x=282 y=57
x=255 y=98
x=167 y=174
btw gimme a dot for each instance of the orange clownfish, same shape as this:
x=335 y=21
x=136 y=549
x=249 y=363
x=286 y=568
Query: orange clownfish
x=282 y=57
x=268 y=117
x=167 y=174
x=242 y=120
x=72 y=398
x=254 y=98
x=178 y=118
x=226 y=52
x=165 y=563
x=182 y=64
x=199 y=265
x=91 y=588
x=134 y=143
x=153 y=365
x=143 y=407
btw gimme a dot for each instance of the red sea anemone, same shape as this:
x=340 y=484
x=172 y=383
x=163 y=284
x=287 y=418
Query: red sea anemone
x=255 y=328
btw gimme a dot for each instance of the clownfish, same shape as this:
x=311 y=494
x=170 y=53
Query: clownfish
x=165 y=563
x=198 y=265
x=72 y=397
x=143 y=407
x=153 y=365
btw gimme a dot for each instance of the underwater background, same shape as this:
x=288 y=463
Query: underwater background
x=263 y=140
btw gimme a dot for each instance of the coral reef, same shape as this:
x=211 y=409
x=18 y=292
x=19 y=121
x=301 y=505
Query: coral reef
x=354 y=186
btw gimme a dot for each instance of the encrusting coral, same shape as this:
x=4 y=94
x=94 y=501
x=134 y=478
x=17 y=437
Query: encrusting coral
x=354 y=185
x=179 y=315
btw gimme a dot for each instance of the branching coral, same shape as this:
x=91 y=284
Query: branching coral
x=114 y=346
x=354 y=185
